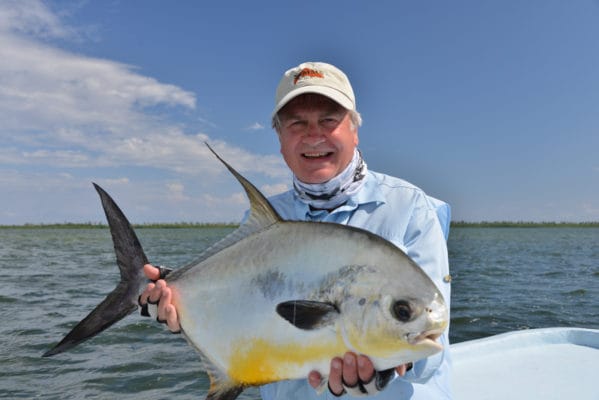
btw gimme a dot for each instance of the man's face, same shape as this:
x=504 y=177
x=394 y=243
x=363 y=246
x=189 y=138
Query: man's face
x=317 y=137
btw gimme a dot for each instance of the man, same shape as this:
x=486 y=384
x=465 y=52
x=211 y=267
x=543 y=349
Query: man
x=317 y=122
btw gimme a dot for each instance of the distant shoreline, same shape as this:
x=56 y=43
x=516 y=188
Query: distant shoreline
x=92 y=225
x=204 y=225
x=524 y=224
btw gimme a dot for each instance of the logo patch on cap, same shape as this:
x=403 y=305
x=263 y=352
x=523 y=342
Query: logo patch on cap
x=307 y=73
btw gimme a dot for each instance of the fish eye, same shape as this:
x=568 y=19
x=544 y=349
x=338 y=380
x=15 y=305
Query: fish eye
x=401 y=310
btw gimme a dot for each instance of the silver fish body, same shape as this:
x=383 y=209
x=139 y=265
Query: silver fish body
x=277 y=299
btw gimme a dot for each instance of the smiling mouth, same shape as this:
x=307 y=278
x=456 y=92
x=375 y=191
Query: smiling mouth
x=316 y=155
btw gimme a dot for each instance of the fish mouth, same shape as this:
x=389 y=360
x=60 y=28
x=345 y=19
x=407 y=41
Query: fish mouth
x=427 y=338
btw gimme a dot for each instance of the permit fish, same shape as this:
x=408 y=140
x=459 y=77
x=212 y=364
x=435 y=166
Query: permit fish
x=276 y=299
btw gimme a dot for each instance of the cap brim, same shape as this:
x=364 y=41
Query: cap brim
x=331 y=93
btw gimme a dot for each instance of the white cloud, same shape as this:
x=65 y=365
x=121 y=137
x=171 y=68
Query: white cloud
x=590 y=211
x=256 y=126
x=239 y=198
x=31 y=17
x=175 y=192
x=44 y=88
x=67 y=113
x=49 y=95
x=70 y=110
x=113 y=181
x=270 y=190
x=67 y=158
x=50 y=197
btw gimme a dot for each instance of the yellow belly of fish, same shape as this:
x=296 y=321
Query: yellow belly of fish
x=257 y=361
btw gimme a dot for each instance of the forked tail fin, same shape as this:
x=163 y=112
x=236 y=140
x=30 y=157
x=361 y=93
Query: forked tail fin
x=122 y=300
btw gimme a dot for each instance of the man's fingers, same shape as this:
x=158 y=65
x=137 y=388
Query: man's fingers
x=314 y=379
x=156 y=292
x=401 y=370
x=159 y=293
x=335 y=384
x=355 y=375
x=151 y=272
x=143 y=298
x=165 y=299
x=172 y=321
x=365 y=368
x=166 y=311
x=350 y=369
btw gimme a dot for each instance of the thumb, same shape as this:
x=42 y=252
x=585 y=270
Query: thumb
x=151 y=272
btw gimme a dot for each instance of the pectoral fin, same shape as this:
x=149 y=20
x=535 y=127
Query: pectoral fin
x=306 y=314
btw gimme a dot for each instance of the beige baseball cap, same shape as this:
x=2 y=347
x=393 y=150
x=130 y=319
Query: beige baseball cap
x=315 y=77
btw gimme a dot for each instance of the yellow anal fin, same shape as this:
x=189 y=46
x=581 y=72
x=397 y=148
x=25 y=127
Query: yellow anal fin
x=222 y=387
x=224 y=393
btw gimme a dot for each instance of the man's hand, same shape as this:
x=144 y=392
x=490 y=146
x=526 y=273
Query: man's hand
x=160 y=294
x=351 y=373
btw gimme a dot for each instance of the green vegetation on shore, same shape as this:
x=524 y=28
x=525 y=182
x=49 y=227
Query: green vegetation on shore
x=523 y=224
x=93 y=225
x=177 y=225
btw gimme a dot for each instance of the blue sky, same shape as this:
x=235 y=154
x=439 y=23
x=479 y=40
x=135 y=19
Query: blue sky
x=492 y=106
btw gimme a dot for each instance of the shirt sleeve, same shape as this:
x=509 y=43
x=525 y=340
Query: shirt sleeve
x=425 y=243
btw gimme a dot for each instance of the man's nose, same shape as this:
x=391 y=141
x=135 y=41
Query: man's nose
x=314 y=134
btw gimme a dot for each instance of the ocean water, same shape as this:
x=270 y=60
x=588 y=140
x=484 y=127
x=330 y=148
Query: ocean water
x=503 y=279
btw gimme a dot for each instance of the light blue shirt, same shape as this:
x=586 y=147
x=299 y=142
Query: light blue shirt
x=418 y=224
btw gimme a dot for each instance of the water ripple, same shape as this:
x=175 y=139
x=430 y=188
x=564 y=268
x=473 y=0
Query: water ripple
x=504 y=279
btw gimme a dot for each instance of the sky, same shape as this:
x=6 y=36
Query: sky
x=491 y=106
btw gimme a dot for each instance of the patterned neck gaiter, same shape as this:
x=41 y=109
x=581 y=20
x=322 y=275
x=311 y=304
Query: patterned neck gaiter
x=335 y=192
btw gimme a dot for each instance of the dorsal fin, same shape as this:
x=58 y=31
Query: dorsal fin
x=261 y=212
x=261 y=216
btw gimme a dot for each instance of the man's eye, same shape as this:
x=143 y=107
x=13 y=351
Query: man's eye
x=329 y=122
x=296 y=123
